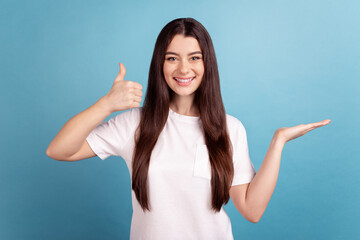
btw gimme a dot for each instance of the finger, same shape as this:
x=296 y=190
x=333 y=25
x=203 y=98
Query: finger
x=135 y=105
x=319 y=124
x=137 y=92
x=137 y=99
x=327 y=121
x=134 y=85
x=121 y=74
x=137 y=85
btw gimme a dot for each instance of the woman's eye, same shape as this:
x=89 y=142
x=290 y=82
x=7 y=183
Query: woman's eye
x=171 y=59
x=195 y=58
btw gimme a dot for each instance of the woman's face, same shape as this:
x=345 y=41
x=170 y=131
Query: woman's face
x=183 y=65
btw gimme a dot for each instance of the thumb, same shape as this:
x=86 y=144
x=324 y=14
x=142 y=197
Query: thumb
x=121 y=74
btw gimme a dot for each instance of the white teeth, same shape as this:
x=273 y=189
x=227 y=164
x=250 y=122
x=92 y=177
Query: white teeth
x=184 y=80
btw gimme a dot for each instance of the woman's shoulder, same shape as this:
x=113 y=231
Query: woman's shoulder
x=234 y=124
x=132 y=112
x=129 y=117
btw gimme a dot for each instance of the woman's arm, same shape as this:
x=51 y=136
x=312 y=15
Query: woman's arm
x=252 y=199
x=72 y=135
x=70 y=142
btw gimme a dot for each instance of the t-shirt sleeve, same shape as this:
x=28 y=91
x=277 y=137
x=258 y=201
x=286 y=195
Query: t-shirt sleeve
x=110 y=137
x=244 y=170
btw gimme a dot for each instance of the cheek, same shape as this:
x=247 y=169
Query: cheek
x=167 y=74
x=200 y=69
x=167 y=70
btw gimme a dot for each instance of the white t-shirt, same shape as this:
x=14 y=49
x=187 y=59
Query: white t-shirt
x=179 y=175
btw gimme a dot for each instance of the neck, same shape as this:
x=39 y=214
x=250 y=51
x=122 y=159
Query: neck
x=184 y=105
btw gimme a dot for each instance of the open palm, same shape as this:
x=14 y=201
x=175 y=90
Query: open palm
x=290 y=133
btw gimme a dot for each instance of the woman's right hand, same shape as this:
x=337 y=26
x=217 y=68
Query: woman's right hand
x=123 y=95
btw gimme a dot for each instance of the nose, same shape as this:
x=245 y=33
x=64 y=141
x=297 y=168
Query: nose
x=184 y=67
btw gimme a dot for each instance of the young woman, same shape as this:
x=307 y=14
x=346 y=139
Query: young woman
x=185 y=155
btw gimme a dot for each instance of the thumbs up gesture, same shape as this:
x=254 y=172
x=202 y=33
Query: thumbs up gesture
x=123 y=94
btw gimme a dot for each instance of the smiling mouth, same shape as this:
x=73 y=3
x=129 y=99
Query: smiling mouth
x=184 y=80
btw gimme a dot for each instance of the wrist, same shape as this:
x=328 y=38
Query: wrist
x=103 y=104
x=278 y=139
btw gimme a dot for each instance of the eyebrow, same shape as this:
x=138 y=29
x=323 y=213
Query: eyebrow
x=197 y=52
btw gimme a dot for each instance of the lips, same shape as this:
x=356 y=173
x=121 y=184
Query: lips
x=184 y=80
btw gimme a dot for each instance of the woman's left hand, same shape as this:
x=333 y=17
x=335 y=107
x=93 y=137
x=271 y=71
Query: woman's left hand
x=286 y=134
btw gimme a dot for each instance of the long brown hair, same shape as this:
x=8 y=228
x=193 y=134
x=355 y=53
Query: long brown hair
x=208 y=99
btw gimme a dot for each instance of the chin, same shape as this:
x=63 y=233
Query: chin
x=184 y=92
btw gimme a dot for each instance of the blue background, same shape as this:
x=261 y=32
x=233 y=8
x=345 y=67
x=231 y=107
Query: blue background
x=281 y=63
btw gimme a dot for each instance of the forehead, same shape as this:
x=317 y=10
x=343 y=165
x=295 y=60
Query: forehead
x=182 y=44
